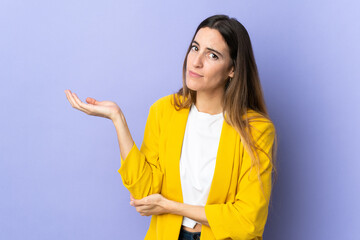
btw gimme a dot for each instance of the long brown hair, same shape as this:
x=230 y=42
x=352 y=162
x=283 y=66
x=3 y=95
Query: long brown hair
x=242 y=93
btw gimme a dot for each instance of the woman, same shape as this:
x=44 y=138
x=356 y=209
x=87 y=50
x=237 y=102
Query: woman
x=205 y=166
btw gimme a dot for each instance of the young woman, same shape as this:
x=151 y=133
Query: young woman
x=204 y=169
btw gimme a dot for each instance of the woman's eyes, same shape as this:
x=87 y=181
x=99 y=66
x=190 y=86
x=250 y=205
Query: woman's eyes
x=212 y=55
x=193 y=47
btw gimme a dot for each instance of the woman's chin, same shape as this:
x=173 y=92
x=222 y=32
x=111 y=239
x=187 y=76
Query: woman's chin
x=192 y=86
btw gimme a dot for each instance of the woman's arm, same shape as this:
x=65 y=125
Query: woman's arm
x=123 y=134
x=196 y=213
x=140 y=170
x=156 y=204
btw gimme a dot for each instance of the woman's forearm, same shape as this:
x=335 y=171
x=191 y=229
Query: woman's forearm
x=196 y=213
x=123 y=134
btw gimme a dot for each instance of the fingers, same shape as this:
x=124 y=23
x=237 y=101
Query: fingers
x=136 y=202
x=67 y=92
x=144 y=208
x=83 y=106
x=76 y=102
x=132 y=198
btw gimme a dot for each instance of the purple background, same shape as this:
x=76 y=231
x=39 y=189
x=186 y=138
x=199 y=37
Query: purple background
x=58 y=166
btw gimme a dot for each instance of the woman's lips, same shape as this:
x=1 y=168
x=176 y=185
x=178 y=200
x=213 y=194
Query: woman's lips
x=192 y=74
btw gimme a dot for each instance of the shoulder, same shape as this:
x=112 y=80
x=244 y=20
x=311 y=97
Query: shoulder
x=164 y=103
x=163 y=108
x=259 y=124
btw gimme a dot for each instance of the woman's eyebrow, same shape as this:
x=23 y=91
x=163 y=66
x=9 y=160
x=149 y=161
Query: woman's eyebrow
x=211 y=49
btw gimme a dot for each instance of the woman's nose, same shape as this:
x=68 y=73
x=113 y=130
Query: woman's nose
x=197 y=60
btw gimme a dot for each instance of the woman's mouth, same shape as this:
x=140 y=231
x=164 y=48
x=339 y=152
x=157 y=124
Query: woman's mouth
x=193 y=74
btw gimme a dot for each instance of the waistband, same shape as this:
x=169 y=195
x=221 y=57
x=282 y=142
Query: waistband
x=189 y=235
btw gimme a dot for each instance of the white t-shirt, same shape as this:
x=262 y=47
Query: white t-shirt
x=198 y=157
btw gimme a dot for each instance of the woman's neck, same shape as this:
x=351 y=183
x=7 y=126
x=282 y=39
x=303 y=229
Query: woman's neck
x=209 y=103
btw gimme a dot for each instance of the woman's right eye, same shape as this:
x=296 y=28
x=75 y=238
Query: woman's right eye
x=193 y=47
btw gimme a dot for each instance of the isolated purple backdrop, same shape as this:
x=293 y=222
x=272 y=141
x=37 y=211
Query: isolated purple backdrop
x=58 y=166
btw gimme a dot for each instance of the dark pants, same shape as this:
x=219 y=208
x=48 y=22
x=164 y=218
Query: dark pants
x=186 y=235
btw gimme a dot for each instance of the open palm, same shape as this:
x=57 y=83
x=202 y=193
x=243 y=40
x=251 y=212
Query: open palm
x=106 y=109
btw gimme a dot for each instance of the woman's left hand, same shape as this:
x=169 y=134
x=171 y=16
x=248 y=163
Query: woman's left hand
x=154 y=204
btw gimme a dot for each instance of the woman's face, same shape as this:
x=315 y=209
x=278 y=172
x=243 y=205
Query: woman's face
x=209 y=64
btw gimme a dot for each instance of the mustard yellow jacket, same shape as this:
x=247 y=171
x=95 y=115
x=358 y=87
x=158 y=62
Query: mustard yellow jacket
x=236 y=207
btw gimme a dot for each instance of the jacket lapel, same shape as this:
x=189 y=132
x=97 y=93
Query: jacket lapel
x=176 y=132
x=224 y=165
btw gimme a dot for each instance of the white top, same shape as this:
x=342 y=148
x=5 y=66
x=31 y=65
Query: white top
x=198 y=157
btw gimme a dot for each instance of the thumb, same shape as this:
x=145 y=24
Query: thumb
x=91 y=101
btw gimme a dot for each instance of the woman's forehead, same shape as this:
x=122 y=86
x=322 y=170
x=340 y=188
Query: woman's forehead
x=211 y=38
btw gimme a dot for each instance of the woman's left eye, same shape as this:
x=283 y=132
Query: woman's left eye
x=193 y=47
x=213 y=56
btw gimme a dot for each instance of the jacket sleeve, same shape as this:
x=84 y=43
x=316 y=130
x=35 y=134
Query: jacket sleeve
x=140 y=171
x=246 y=217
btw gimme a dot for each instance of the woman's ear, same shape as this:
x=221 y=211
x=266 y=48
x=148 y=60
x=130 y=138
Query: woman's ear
x=231 y=74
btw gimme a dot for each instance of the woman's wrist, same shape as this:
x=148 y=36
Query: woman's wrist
x=170 y=206
x=123 y=133
x=196 y=213
x=117 y=118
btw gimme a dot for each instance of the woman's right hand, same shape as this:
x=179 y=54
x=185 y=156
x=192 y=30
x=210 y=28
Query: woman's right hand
x=106 y=109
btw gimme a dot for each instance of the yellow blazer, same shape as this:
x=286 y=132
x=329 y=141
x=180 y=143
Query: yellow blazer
x=236 y=207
